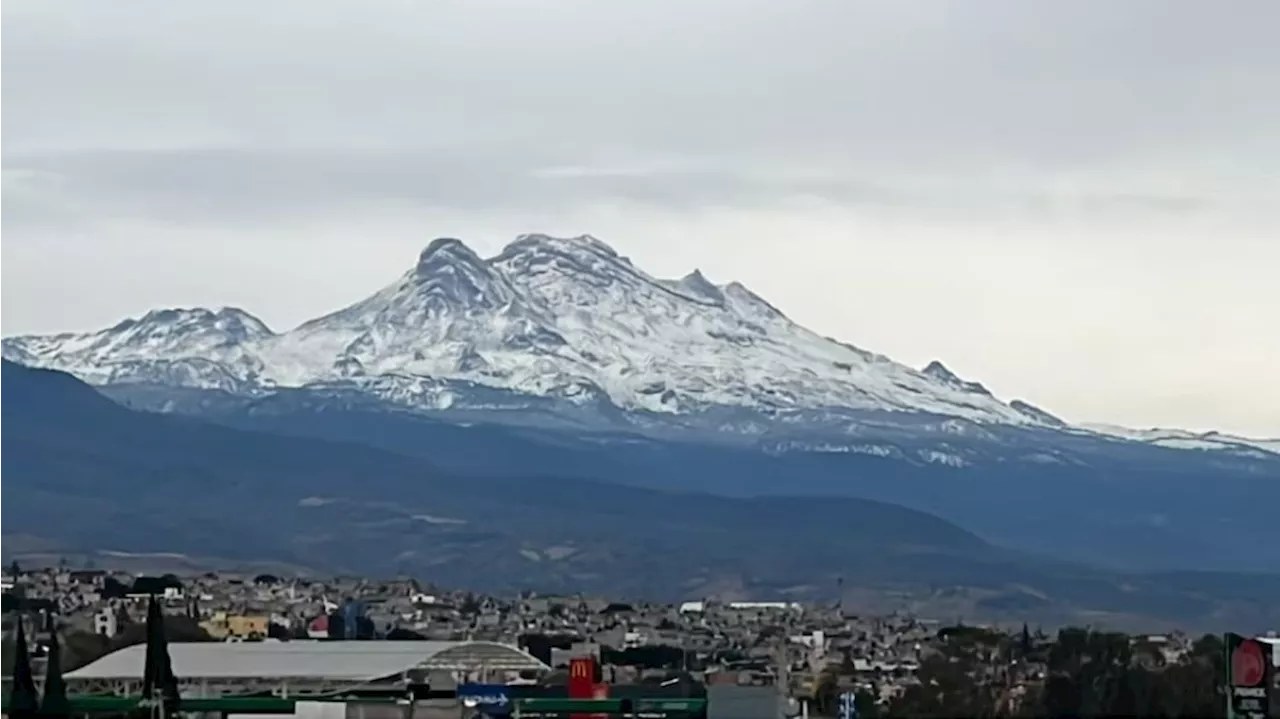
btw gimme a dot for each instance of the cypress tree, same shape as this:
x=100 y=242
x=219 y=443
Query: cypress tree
x=55 y=702
x=23 y=700
x=159 y=683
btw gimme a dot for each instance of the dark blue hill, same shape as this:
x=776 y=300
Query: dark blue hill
x=69 y=450
x=1128 y=506
x=86 y=474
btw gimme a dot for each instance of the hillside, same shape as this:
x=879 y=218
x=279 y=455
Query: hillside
x=141 y=482
x=1131 y=506
x=127 y=481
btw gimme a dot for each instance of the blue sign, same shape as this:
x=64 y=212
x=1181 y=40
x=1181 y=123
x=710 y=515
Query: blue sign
x=487 y=698
x=848 y=706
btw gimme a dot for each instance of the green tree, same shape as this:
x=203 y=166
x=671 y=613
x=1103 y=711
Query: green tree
x=1090 y=674
x=949 y=686
x=80 y=648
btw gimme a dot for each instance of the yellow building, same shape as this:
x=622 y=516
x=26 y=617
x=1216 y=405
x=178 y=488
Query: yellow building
x=239 y=626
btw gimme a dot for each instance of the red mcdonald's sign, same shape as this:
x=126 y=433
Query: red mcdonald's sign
x=582 y=683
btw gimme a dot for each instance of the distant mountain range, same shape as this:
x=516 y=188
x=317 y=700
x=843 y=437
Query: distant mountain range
x=559 y=326
x=87 y=477
x=559 y=357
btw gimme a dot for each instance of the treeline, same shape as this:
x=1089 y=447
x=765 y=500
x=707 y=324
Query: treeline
x=1078 y=673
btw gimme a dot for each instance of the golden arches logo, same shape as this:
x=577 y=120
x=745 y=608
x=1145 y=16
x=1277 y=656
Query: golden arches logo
x=580 y=669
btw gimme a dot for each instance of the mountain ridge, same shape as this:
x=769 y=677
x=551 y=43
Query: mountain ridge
x=560 y=356
x=542 y=315
x=565 y=319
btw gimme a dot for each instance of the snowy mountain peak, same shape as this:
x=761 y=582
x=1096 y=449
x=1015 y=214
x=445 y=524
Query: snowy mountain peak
x=581 y=243
x=577 y=274
x=231 y=324
x=939 y=371
x=210 y=327
x=448 y=275
x=582 y=257
x=190 y=347
x=560 y=318
x=696 y=285
x=1187 y=439
x=749 y=302
x=1037 y=414
x=445 y=250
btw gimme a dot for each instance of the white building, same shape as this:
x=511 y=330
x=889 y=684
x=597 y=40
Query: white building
x=106 y=623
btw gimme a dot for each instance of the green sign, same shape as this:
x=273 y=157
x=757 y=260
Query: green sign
x=669 y=705
x=640 y=708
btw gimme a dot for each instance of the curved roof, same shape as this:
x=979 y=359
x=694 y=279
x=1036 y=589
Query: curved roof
x=332 y=660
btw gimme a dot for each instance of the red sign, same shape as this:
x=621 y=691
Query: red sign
x=1248 y=664
x=582 y=678
x=582 y=684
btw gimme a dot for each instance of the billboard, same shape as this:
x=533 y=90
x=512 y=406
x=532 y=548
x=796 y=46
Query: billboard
x=1251 y=678
x=582 y=677
x=490 y=699
x=583 y=673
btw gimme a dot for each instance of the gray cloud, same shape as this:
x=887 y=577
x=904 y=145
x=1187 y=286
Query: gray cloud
x=961 y=82
x=238 y=185
x=465 y=103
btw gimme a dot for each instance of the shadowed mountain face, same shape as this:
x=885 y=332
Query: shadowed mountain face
x=85 y=474
x=1132 y=507
x=134 y=481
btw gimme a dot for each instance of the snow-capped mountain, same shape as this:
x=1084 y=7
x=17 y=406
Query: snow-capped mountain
x=212 y=349
x=1186 y=439
x=546 y=316
x=558 y=358
x=567 y=323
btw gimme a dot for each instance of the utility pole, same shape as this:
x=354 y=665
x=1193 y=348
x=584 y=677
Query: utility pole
x=840 y=596
x=781 y=677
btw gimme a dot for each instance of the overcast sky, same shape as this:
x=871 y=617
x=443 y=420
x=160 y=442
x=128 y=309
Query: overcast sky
x=1074 y=202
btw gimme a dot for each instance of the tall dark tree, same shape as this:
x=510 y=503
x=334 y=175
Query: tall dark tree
x=23 y=700
x=55 y=702
x=159 y=683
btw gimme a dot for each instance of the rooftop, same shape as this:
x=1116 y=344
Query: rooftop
x=346 y=661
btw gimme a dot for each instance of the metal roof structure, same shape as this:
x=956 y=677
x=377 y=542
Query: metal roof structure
x=300 y=667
